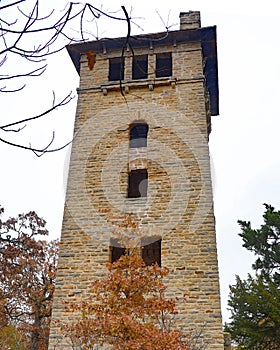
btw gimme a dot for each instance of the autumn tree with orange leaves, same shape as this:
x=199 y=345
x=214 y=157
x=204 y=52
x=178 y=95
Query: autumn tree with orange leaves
x=127 y=309
x=27 y=276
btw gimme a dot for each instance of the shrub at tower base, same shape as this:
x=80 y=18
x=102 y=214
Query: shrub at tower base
x=127 y=309
x=255 y=302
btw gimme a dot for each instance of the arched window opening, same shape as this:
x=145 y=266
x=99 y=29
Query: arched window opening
x=138 y=135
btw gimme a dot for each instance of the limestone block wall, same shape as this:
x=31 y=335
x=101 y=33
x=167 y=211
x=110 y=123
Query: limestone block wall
x=178 y=206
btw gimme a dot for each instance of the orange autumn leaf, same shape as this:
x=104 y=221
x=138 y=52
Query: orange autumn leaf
x=91 y=58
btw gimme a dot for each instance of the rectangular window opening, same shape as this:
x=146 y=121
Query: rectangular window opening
x=164 y=65
x=140 y=67
x=137 y=183
x=116 y=68
x=138 y=135
x=151 y=250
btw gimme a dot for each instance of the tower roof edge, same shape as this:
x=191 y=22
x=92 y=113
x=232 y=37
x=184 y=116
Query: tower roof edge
x=206 y=35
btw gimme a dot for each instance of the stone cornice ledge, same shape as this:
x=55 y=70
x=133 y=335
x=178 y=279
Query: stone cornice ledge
x=126 y=85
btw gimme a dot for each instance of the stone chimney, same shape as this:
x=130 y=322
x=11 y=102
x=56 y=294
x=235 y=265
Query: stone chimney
x=189 y=20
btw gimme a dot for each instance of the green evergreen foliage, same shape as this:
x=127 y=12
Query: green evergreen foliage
x=255 y=302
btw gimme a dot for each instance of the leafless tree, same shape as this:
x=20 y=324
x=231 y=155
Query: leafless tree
x=30 y=33
x=30 y=36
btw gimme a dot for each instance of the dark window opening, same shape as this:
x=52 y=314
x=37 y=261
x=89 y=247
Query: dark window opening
x=140 y=67
x=138 y=135
x=151 y=252
x=164 y=65
x=116 y=251
x=116 y=68
x=137 y=183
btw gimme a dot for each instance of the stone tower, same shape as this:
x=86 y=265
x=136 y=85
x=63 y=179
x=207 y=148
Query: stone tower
x=141 y=150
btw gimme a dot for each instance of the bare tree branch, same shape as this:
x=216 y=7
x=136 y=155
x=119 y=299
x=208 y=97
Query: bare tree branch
x=10 y=5
x=37 y=151
x=47 y=34
x=63 y=102
x=35 y=73
x=4 y=89
x=15 y=130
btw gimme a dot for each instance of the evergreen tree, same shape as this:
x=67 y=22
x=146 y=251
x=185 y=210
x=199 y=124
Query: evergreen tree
x=255 y=302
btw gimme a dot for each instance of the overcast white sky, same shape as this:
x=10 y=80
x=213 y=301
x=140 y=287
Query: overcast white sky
x=244 y=142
